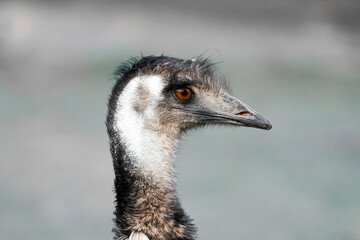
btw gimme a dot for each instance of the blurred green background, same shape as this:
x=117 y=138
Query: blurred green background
x=296 y=62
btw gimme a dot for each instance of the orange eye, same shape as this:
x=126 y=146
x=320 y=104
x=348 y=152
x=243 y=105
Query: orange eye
x=183 y=93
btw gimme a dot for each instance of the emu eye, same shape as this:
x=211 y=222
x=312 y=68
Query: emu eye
x=183 y=94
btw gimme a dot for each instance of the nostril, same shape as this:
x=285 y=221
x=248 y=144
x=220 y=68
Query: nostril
x=244 y=114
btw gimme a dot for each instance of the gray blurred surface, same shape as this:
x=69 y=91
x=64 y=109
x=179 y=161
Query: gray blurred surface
x=296 y=62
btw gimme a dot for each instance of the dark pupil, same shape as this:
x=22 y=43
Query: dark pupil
x=184 y=92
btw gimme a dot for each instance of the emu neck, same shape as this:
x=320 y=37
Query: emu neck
x=146 y=200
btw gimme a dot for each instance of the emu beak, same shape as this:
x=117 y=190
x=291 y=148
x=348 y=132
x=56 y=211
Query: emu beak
x=229 y=111
x=239 y=113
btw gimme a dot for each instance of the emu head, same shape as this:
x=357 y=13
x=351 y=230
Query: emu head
x=170 y=95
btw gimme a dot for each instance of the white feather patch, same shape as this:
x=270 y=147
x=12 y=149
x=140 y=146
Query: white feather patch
x=148 y=149
x=138 y=236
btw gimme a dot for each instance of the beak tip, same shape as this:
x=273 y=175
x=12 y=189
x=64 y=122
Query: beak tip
x=268 y=127
x=264 y=123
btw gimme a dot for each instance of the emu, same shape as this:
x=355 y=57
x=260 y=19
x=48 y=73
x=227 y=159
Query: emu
x=155 y=100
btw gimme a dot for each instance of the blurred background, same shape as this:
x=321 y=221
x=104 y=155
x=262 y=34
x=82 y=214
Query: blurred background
x=297 y=62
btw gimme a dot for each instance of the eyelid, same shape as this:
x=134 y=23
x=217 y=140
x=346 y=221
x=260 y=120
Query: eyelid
x=181 y=82
x=177 y=85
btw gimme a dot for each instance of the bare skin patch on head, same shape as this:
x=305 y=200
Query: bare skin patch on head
x=136 y=120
